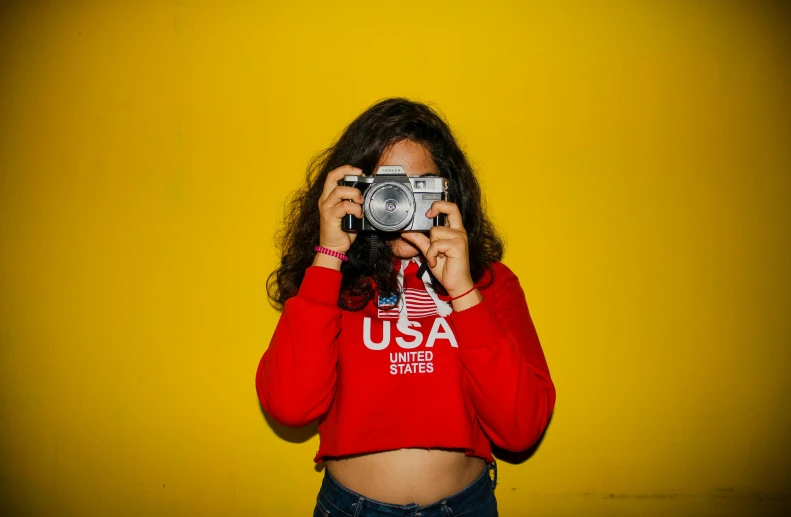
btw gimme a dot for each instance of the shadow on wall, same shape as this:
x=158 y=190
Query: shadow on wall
x=303 y=434
x=294 y=434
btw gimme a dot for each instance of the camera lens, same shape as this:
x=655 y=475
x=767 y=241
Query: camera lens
x=389 y=206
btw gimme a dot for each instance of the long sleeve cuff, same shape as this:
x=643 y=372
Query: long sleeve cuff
x=321 y=285
x=476 y=326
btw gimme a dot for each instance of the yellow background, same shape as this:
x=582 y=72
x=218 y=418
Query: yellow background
x=636 y=155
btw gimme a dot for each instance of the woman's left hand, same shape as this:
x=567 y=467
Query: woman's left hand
x=446 y=249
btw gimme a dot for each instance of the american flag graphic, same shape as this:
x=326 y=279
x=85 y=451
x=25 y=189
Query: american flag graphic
x=418 y=304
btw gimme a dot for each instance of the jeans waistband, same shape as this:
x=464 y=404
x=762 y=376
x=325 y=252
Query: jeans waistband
x=350 y=502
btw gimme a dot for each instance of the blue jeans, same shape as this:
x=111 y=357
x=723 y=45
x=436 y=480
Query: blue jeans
x=475 y=500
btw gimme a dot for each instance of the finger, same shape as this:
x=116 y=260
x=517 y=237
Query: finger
x=443 y=232
x=340 y=193
x=345 y=207
x=442 y=246
x=418 y=239
x=450 y=209
x=334 y=175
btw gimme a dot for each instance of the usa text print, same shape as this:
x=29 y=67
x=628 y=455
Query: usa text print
x=439 y=330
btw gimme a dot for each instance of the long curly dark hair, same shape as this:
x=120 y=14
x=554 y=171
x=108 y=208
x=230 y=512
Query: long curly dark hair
x=370 y=258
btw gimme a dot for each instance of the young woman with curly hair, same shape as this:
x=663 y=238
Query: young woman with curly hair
x=414 y=350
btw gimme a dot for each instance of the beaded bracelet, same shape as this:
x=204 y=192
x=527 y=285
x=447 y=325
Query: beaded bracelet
x=332 y=253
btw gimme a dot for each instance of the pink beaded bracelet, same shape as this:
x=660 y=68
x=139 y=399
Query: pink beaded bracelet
x=333 y=253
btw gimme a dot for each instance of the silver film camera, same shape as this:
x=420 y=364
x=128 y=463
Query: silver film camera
x=395 y=202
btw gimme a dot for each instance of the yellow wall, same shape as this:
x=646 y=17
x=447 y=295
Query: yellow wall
x=637 y=156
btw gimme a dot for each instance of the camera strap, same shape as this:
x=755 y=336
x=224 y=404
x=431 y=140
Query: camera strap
x=374 y=245
x=422 y=269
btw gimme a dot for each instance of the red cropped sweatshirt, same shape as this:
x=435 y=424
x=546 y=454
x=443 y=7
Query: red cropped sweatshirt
x=416 y=375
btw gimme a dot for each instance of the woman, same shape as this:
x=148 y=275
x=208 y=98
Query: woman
x=412 y=372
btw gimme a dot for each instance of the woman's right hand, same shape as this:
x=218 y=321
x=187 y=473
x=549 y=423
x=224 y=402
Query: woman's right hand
x=335 y=202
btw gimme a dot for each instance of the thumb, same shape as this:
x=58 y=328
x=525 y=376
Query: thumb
x=418 y=239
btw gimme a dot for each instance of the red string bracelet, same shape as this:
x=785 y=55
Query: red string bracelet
x=465 y=294
x=332 y=253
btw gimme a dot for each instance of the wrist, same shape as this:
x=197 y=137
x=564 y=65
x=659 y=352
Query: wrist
x=465 y=288
x=328 y=261
x=466 y=301
x=337 y=249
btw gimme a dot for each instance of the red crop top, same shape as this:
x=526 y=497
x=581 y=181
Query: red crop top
x=414 y=376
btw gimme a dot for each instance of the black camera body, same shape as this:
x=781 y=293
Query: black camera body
x=395 y=202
